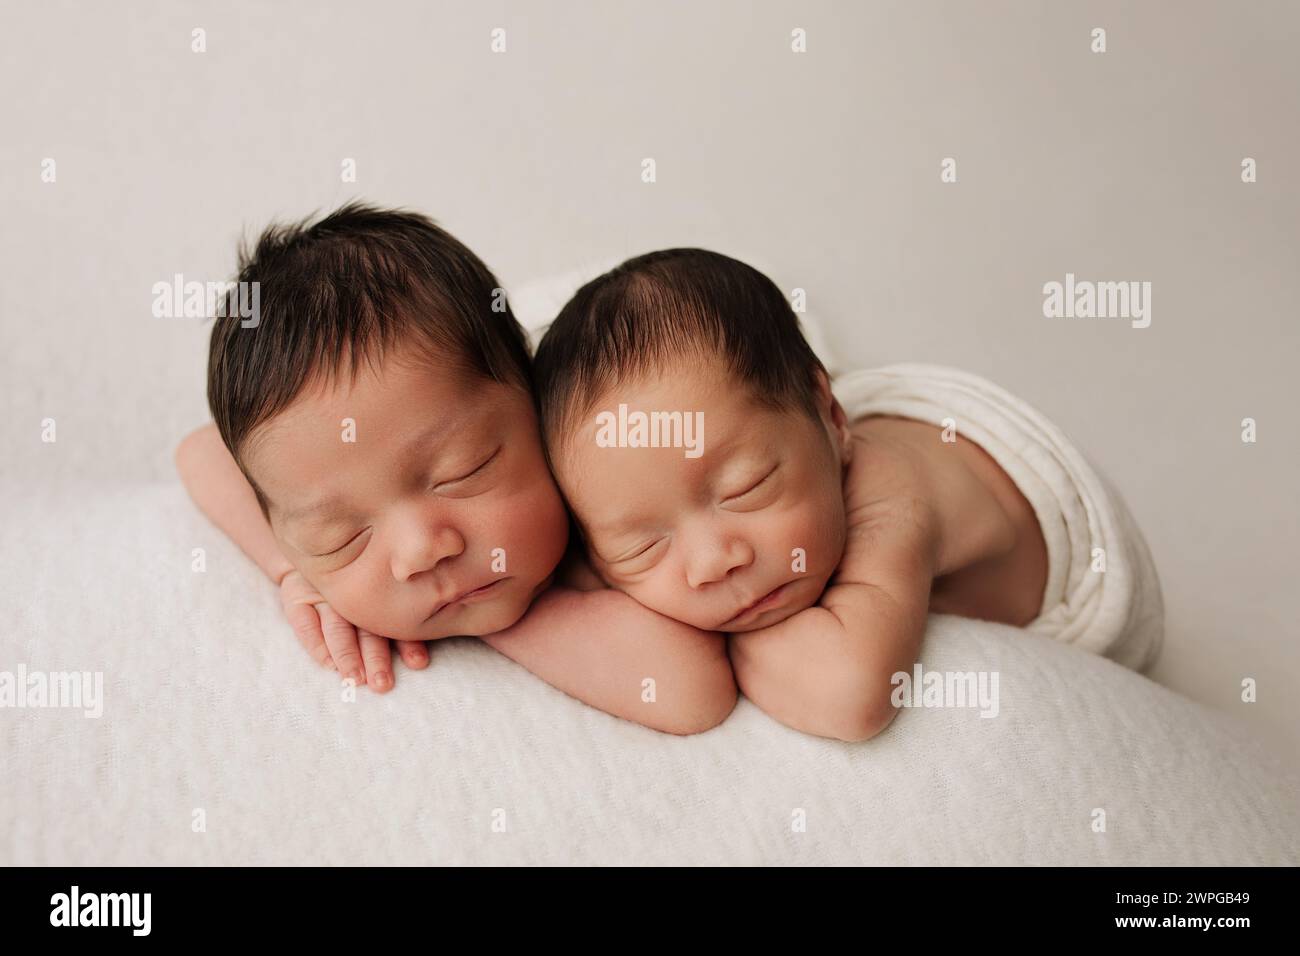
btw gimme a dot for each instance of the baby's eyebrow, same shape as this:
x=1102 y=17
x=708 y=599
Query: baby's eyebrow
x=325 y=507
x=621 y=525
x=590 y=532
x=433 y=436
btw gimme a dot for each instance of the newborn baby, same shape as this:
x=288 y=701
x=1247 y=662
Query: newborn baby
x=716 y=479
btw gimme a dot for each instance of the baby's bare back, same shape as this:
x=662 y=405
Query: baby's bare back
x=991 y=560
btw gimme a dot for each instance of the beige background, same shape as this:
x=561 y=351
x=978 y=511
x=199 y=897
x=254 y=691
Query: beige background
x=821 y=168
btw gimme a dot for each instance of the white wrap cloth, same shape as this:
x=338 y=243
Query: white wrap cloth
x=1117 y=613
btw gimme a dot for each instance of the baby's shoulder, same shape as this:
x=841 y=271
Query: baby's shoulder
x=888 y=464
x=947 y=486
x=889 y=487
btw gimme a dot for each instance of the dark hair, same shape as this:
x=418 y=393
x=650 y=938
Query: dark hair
x=341 y=292
x=673 y=304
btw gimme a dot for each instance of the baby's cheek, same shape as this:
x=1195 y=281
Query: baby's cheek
x=662 y=589
x=818 y=530
x=672 y=597
x=534 y=529
x=362 y=601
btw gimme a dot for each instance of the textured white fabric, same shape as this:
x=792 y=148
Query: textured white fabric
x=209 y=704
x=1119 y=612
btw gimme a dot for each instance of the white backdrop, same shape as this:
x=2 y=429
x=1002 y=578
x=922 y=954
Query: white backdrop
x=821 y=167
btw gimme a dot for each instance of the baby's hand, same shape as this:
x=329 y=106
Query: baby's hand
x=334 y=643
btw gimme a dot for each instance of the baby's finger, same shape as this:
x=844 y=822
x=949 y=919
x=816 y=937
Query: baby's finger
x=341 y=639
x=306 y=627
x=379 y=661
x=414 y=654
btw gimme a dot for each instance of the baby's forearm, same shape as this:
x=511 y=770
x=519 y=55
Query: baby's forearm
x=828 y=673
x=221 y=491
x=610 y=652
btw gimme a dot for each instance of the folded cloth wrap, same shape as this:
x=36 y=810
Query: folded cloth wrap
x=1117 y=613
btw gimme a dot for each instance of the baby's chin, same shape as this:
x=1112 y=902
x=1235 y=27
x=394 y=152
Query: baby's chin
x=474 y=621
x=487 y=615
x=486 y=618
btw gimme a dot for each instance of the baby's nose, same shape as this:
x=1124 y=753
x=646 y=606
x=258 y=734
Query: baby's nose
x=715 y=563
x=421 y=549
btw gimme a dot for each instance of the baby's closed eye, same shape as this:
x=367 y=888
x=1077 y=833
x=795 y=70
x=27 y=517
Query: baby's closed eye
x=754 y=490
x=639 y=556
x=346 y=548
x=470 y=479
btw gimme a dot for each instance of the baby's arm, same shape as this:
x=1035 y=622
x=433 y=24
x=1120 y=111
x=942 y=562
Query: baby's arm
x=602 y=647
x=221 y=491
x=827 y=670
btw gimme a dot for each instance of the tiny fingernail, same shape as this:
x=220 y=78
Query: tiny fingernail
x=358 y=676
x=381 y=680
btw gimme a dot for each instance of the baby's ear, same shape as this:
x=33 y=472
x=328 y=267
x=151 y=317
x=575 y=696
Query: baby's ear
x=837 y=421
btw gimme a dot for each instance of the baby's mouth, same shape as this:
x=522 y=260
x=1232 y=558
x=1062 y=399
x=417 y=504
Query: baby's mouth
x=767 y=602
x=470 y=596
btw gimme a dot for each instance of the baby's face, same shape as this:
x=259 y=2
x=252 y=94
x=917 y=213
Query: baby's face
x=439 y=518
x=736 y=539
